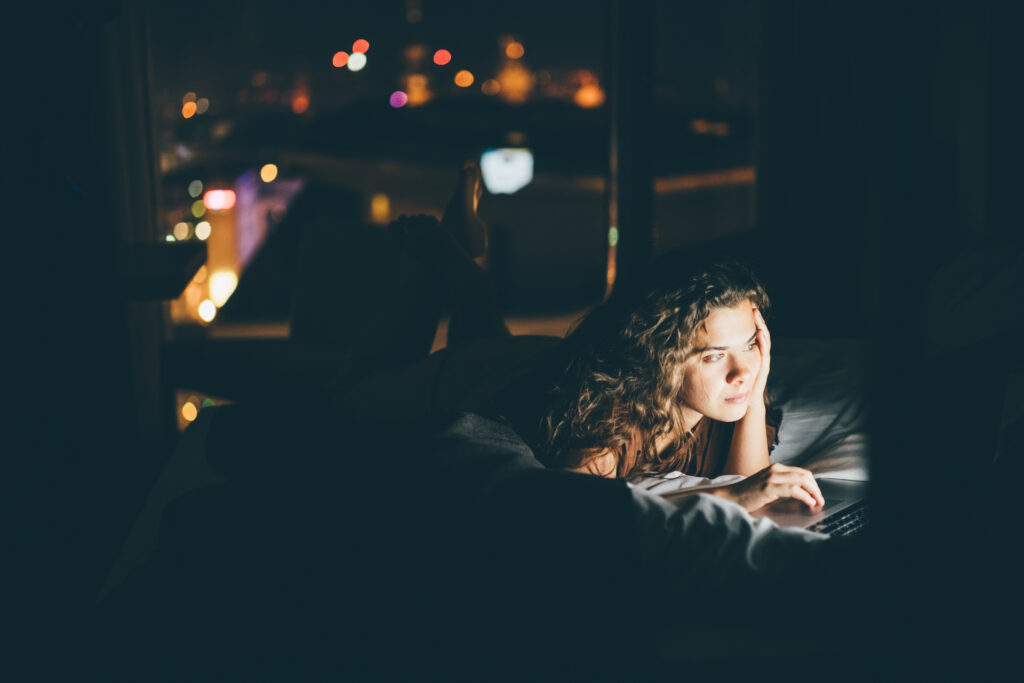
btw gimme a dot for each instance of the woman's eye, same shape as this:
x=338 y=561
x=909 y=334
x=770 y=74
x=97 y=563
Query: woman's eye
x=713 y=358
x=752 y=345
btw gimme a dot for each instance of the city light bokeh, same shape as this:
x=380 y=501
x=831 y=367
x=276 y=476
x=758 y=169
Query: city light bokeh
x=380 y=208
x=222 y=285
x=445 y=85
x=357 y=61
x=268 y=173
x=219 y=200
x=300 y=103
x=207 y=311
x=189 y=411
x=398 y=99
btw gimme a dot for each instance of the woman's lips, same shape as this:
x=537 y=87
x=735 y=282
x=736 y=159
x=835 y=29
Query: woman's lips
x=738 y=399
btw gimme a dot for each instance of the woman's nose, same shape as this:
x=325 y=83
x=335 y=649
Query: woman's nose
x=739 y=372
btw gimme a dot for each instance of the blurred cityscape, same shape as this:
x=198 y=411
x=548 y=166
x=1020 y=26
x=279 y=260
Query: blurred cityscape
x=384 y=103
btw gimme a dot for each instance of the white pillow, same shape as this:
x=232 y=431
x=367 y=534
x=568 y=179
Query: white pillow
x=820 y=385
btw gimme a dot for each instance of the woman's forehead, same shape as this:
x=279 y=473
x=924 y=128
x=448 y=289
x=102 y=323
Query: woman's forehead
x=726 y=327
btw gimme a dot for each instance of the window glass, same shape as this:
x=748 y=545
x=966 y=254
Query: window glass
x=706 y=115
x=381 y=103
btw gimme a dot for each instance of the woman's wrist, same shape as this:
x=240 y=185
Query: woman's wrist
x=756 y=407
x=723 y=492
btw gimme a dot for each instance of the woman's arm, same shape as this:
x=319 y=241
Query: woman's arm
x=770 y=484
x=748 y=452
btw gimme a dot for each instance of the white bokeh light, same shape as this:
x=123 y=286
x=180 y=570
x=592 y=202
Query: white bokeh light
x=356 y=62
x=222 y=285
x=506 y=170
x=207 y=311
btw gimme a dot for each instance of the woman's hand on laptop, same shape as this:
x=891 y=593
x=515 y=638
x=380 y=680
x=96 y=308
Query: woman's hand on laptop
x=772 y=483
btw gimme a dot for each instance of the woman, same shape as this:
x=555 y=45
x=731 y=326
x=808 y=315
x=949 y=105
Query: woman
x=674 y=382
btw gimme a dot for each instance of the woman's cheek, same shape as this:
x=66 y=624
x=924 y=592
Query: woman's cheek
x=708 y=378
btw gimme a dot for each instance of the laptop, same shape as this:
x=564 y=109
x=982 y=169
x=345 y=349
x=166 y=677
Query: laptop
x=845 y=511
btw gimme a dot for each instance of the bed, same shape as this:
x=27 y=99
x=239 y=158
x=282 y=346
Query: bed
x=818 y=384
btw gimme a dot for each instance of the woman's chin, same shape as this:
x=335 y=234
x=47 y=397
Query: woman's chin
x=730 y=412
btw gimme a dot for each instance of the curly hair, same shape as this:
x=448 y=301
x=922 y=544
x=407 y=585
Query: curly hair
x=620 y=389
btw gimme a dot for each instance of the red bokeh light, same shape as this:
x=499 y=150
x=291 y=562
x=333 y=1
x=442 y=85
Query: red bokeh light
x=442 y=57
x=219 y=200
x=340 y=59
x=360 y=45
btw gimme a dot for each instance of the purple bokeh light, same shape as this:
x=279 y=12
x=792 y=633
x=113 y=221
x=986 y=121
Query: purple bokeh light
x=399 y=99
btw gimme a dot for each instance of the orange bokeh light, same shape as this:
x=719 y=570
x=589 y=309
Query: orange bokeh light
x=442 y=57
x=340 y=59
x=300 y=104
x=188 y=110
x=360 y=45
x=464 y=79
x=516 y=83
x=589 y=96
x=514 y=50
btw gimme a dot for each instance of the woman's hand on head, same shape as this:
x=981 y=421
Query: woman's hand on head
x=772 y=483
x=764 y=344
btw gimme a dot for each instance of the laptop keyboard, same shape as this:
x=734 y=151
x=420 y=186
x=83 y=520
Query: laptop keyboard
x=847 y=522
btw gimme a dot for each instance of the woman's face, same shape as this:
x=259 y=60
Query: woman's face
x=719 y=372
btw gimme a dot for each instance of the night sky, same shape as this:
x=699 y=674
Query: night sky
x=705 y=52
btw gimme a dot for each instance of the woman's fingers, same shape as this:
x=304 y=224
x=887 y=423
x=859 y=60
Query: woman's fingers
x=764 y=337
x=815 y=490
x=803 y=496
x=759 y=322
x=778 y=481
x=764 y=344
x=785 y=481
